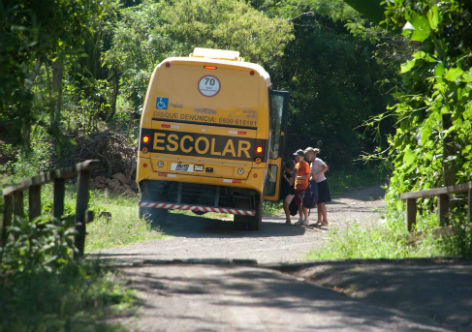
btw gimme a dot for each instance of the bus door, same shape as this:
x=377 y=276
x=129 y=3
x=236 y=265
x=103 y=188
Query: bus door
x=278 y=128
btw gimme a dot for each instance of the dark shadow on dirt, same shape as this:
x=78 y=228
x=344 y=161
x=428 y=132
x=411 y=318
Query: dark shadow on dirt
x=261 y=288
x=182 y=225
x=439 y=289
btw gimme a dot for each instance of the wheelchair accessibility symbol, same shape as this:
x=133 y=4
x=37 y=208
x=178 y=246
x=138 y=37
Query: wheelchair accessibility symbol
x=162 y=103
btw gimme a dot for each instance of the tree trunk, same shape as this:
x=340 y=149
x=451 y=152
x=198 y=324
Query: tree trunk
x=57 y=73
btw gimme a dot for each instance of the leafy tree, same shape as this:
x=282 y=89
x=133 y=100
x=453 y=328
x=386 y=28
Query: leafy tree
x=340 y=71
x=152 y=31
x=37 y=37
x=433 y=138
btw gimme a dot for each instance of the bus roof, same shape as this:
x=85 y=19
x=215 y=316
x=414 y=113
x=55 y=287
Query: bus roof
x=233 y=63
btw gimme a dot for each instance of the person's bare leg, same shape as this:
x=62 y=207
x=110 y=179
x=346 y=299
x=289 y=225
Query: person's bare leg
x=324 y=213
x=305 y=213
x=300 y=213
x=287 y=202
x=287 y=212
x=320 y=215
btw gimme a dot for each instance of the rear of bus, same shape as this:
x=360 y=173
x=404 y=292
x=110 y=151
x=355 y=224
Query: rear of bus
x=205 y=139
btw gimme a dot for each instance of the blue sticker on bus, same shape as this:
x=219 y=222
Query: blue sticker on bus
x=162 y=103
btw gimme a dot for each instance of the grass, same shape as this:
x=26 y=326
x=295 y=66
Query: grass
x=391 y=239
x=123 y=228
x=42 y=288
x=272 y=208
x=76 y=297
x=210 y=215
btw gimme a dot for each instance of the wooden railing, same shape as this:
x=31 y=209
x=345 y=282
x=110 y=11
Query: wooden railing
x=13 y=199
x=443 y=202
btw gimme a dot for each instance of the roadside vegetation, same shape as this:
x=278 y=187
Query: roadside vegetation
x=122 y=227
x=432 y=140
x=391 y=239
x=43 y=288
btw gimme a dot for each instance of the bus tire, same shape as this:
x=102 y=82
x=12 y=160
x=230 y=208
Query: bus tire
x=241 y=223
x=255 y=222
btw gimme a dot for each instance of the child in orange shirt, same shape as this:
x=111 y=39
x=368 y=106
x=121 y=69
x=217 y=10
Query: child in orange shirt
x=300 y=185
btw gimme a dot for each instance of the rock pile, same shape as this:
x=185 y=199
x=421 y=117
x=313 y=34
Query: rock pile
x=117 y=184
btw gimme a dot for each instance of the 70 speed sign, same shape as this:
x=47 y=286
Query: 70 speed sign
x=209 y=86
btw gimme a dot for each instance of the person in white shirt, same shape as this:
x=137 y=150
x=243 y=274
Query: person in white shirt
x=318 y=168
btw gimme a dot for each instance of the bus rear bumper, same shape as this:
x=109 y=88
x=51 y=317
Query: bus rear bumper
x=200 y=208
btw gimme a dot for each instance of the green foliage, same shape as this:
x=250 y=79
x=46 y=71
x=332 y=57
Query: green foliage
x=124 y=227
x=389 y=239
x=458 y=241
x=372 y=9
x=152 y=31
x=344 y=180
x=43 y=289
x=272 y=208
x=77 y=297
x=37 y=38
x=39 y=245
x=339 y=71
x=433 y=137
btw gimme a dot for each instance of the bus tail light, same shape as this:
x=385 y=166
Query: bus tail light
x=258 y=160
x=145 y=141
x=259 y=149
x=210 y=67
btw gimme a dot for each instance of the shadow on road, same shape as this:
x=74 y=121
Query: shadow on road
x=278 y=301
x=437 y=288
x=182 y=225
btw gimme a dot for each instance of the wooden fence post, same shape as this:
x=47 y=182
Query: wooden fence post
x=80 y=210
x=58 y=200
x=18 y=206
x=443 y=207
x=6 y=220
x=411 y=213
x=34 y=202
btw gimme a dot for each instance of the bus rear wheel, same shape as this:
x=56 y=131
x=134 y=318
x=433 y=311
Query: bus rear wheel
x=252 y=223
x=255 y=222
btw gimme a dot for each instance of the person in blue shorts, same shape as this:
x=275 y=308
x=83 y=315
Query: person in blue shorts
x=318 y=169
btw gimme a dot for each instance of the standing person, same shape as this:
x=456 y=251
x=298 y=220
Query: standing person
x=318 y=168
x=300 y=184
x=311 y=193
x=288 y=179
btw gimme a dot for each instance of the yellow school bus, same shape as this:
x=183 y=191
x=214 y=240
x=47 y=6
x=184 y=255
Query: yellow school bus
x=211 y=137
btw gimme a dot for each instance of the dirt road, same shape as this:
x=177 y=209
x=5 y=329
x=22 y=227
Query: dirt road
x=276 y=242
x=209 y=277
x=240 y=298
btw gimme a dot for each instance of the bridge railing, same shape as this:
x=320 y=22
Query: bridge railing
x=13 y=199
x=443 y=202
